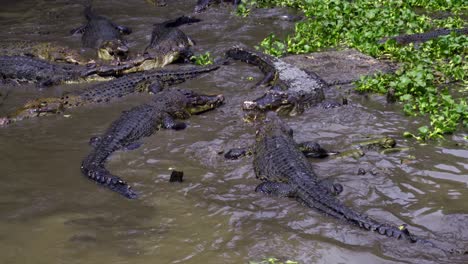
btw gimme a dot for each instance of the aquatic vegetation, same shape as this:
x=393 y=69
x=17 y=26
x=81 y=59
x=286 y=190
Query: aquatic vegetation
x=425 y=69
x=202 y=59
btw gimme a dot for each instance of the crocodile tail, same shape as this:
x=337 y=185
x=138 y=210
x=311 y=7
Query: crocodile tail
x=101 y=175
x=180 y=21
x=88 y=11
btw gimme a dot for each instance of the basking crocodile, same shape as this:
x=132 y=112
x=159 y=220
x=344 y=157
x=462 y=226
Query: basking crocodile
x=286 y=172
x=203 y=4
x=168 y=44
x=153 y=81
x=29 y=69
x=43 y=50
x=102 y=34
x=293 y=89
x=143 y=121
x=423 y=37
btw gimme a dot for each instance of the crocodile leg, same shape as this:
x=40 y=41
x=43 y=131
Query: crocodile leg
x=333 y=188
x=312 y=149
x=170 y=123
x=237 y=153
x=279 y=189
x=267 y=80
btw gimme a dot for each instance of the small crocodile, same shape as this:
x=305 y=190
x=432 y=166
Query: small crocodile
x=29 y=69
x=293 y=89
x=168 y=44
x=423 y=37
x=152 y=81
x=143 y=121
x=286 y=172
x=203 y=4
x=102 y=34
x=48 y=51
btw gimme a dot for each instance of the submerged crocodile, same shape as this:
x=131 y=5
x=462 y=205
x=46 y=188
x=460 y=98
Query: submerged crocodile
x=48 y=51
x=423 y=37
x=152 y=81
x=286 y=172
x=292 y=90
x=203 y=4
x=143 y=121
x=103 y=35
x=29 y=69
x=168 y=44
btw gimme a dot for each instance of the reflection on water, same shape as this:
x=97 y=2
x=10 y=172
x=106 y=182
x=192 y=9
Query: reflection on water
x=49 y=213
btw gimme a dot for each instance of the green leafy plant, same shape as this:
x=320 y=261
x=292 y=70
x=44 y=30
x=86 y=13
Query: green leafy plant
x=363 y=24
x=202 y=59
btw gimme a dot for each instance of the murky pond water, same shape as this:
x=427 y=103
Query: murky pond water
x=50 y=213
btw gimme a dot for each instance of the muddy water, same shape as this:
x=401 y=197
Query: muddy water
x=49 y=213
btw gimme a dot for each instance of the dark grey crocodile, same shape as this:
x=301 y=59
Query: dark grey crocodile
x=423 y=37
x=103 y=35
x=153 y=81
x=143 y=121
x=29 y=69
x=286 y=172
x=203 y=4
x=168 y=44
x=293 y=89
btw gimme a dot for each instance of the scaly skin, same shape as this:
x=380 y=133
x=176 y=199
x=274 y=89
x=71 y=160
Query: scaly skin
x=102 y=34
x=107 y=91
x=293 y=89
x=168 y=44
x=23 y=68
x=285 y=171
x=29 y=69
x=423 y=37
x=43 y=50
x=143 y=121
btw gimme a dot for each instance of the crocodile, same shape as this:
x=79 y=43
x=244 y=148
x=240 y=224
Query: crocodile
x=203 y=4
x=143 y=121
x=286 y=172
x=48 y=51
x=292 y=89
x=168 y=44
x=29 y=69
x=103 y=35
x=147 y=81
x=423 y=37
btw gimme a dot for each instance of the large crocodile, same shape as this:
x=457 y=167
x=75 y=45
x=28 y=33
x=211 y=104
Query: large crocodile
x=292 y=90
x=286 y=172
x=143 y=121
x=203 y=4
x=102 y=34
x=26 y=68
x=152 y=81
x=422 y=37
x=48 y=51
x=168 y=44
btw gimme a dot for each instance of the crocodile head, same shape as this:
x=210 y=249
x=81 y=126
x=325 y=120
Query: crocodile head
x=199 y=103
x=52 y=52
x=113 y=49
x=38 y=107
x=281 y=102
